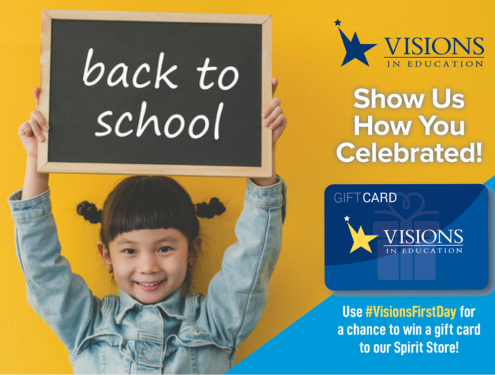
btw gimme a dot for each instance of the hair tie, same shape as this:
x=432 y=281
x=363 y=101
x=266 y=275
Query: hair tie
x=211 y=209
x=89 y=211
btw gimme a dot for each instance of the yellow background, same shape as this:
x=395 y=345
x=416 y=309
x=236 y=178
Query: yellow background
x=317 y=97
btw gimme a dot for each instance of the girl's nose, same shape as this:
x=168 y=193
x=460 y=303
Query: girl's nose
x=148 y=266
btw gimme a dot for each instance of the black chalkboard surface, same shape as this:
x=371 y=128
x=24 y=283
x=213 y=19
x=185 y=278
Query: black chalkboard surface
x=158 y=93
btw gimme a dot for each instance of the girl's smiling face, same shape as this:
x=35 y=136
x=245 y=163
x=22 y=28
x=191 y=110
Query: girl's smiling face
x=150 y=264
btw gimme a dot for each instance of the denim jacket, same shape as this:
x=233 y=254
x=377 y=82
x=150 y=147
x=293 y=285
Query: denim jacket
x=186 y=333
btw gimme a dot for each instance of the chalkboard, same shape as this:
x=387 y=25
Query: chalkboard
x=155 y=93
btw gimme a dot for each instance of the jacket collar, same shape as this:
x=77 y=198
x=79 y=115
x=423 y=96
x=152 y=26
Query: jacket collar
x=172 y=306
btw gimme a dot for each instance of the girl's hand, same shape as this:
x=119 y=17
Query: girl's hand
x=275 y=119
x=31 y=131
x=273 y=115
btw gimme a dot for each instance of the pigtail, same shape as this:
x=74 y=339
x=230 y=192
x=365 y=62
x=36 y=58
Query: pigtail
x=90 y=212
x=209 y=210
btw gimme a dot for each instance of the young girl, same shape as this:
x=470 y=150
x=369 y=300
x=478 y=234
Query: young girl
x=150 y=242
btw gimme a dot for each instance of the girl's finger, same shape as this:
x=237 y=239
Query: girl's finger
x=275 y=113
x=275 y=102
x=36 y=129
x=40 y=119
x=274 y=85
x=281 y=120
x=37 y=97
x=25 y=129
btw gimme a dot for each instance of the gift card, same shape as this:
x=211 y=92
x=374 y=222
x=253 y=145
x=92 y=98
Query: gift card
x=406 y=237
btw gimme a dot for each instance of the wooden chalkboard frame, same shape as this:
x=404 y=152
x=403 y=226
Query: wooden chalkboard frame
x=156 y=169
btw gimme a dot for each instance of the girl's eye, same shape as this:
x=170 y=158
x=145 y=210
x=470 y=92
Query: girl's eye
x=164 y=249
x=129 y=251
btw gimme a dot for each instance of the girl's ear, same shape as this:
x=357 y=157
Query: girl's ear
x=194 y=250
x=104 y=253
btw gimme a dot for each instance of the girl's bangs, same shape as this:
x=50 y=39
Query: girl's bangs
x=150 y=204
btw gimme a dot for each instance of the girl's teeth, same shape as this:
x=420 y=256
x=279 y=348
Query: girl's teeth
x=149 y=284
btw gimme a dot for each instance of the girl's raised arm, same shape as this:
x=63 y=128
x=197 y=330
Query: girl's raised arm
x=60 y=297
x=238 y=293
